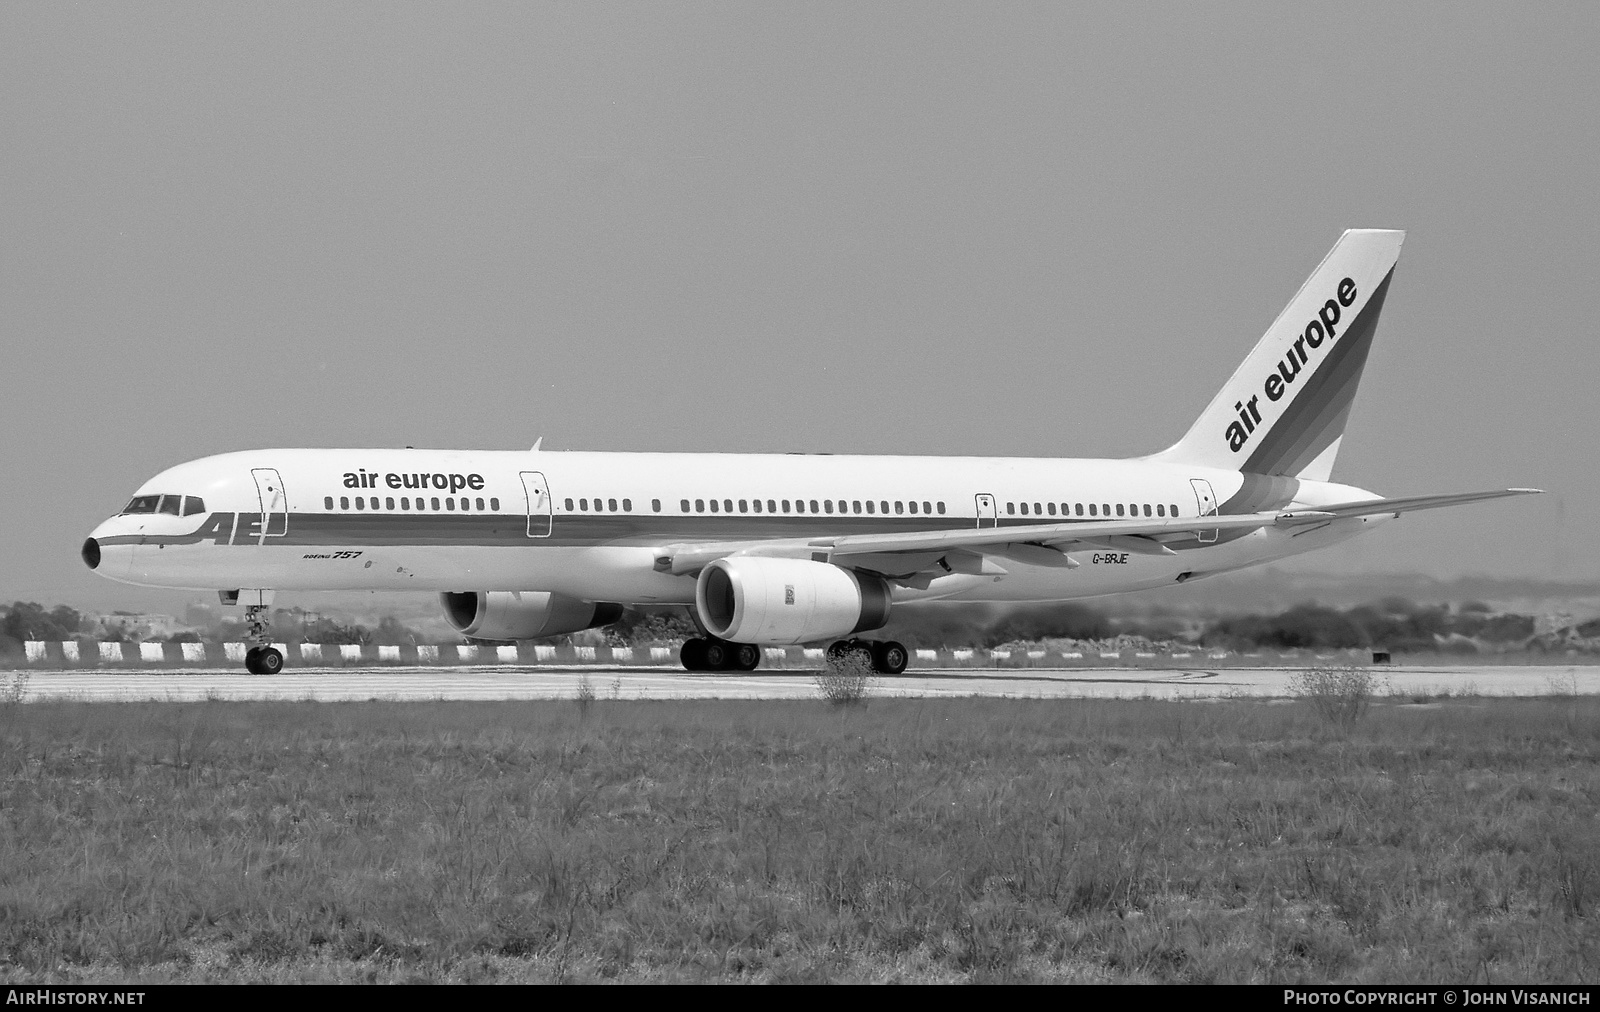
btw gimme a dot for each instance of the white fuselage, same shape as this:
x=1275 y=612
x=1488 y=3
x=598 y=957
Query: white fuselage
x=589 y=525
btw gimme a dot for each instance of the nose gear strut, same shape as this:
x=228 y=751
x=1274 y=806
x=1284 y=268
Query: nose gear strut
x=262 y=658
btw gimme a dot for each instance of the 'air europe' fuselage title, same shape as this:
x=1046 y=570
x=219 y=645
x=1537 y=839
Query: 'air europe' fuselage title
x=1320 y=329
x=444 y=482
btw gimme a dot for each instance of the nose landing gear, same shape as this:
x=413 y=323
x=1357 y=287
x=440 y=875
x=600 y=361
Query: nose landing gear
x=263 y=658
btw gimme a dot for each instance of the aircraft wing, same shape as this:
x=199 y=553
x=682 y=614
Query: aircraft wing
x=1042 y=544
x=1139 y=535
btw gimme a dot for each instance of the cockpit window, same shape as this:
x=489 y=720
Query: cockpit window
x=173 y=505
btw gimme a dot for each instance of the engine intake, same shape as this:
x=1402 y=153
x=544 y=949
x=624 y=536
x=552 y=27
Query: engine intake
x=749 y=599
x=522 y=615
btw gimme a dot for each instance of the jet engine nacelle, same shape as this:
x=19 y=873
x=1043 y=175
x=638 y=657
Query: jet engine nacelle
x=522 y=615
x=750 y=599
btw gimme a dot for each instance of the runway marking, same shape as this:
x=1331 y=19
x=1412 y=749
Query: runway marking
x=504 y=682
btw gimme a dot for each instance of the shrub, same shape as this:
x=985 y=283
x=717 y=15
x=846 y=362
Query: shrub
x=1339 y=694
x=1507 y=628
x=846 y=679
x=15 y=690
x=28 y=620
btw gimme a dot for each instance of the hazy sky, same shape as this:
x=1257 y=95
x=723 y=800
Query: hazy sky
x=973 y=228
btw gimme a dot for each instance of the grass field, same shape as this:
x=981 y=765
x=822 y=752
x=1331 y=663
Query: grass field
x=904 y=840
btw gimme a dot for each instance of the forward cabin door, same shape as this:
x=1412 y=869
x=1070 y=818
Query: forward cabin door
x=540 y=507
x=988 y=511
x=1207 y=501
x=274 y=503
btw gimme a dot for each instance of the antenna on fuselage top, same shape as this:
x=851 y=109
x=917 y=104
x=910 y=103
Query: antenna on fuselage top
x=535 y=447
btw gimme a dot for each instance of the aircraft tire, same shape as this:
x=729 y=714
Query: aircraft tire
x=862 y=651
x=838 y=650
x=746 y=657
x=889 y=657
x=270 y=661
x=717 y=655
x=252 y=660
x=693 y=654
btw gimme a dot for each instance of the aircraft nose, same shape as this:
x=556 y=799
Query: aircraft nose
x=91 y=553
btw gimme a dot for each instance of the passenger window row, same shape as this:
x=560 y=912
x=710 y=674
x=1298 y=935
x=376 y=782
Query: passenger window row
x=869 y=506
x=1095 y=509
x=885 y=507
x=187 y=505
x=388 y=503
x=605 y=506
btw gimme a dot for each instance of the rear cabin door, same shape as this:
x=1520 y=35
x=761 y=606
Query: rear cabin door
x=1207 y=502
x=540 y=507
x=988 y=511
x=274 y=503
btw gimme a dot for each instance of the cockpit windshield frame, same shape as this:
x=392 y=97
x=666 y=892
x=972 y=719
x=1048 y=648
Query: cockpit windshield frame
x=172 y=505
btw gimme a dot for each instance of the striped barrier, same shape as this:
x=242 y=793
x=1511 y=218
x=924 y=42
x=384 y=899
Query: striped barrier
x=72 y=653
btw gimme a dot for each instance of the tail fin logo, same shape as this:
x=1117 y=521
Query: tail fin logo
x=1322 y=328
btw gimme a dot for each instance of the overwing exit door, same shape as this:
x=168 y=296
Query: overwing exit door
x=540 y=507
x=988 y=512
x=1207 y=502
x=274 y=503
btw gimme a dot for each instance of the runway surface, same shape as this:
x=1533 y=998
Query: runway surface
x=634 y=682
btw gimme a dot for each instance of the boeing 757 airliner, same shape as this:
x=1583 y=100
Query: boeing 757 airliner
x=782 y=548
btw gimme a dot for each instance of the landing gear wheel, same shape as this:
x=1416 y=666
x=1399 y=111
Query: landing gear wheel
x=263 y=661
x=861 y=652
x=717 y=655
x=889 y=657
x=746 y=657
x=260 y=659
x=693 y=654
x=838 y=650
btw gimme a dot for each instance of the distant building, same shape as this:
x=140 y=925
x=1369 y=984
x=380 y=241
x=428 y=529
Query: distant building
x=136 y=625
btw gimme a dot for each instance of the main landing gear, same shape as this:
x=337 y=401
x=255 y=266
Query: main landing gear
x=886 y=657
x=261 y=659
x=712 y=654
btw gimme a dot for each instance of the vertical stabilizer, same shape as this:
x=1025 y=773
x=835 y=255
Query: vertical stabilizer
x=1284 y=409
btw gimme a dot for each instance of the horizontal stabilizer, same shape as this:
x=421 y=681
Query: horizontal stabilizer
x=1403 y=504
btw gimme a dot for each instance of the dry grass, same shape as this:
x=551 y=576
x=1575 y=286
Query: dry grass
x=1340 y=694
x=914 y=840
x=847 y=679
